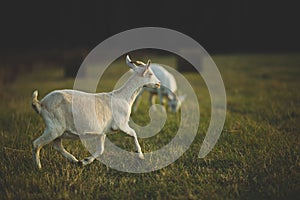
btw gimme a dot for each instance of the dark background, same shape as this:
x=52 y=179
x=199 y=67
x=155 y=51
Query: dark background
x=219 y=26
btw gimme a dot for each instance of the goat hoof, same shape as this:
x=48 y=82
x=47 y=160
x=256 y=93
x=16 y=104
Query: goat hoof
x=38 y=166
x=141 y=156
x=80 y=163
x=86 y=161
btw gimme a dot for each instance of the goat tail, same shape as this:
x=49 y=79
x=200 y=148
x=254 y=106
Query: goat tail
x=36 y=105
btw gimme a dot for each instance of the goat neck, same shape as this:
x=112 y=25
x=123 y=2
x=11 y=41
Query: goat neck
x=129 y=90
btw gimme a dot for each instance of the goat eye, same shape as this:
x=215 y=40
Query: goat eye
x=150 y=74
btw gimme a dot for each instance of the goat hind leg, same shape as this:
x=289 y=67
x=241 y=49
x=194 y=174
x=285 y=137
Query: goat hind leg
x=57 y=144
x=38 y=144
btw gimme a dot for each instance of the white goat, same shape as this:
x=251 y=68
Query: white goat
x=57 y=112
x=167 y=89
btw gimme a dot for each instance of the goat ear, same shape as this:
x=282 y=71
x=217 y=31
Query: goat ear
x=147 y=67
x=130 y=63
x=138 y=63
x=148 y=64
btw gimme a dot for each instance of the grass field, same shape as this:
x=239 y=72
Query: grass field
x=256 y=157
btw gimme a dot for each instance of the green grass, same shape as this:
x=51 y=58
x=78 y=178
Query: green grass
x=256 y=157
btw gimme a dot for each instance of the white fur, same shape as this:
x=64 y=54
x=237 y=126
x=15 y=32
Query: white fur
x=168 y=88
x=57 y=112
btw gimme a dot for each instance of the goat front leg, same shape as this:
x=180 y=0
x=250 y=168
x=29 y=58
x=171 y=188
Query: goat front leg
x=160 y=95
x=57 y=144
x=99 y=151
x=132 y=133
x=152 y=97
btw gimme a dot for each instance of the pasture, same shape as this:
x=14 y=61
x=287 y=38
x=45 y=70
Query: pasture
x=256 y=157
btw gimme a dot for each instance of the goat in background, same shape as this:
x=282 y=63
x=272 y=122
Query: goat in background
x=168 y=88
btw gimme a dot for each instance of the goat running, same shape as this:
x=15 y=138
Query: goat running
x=57 y=112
